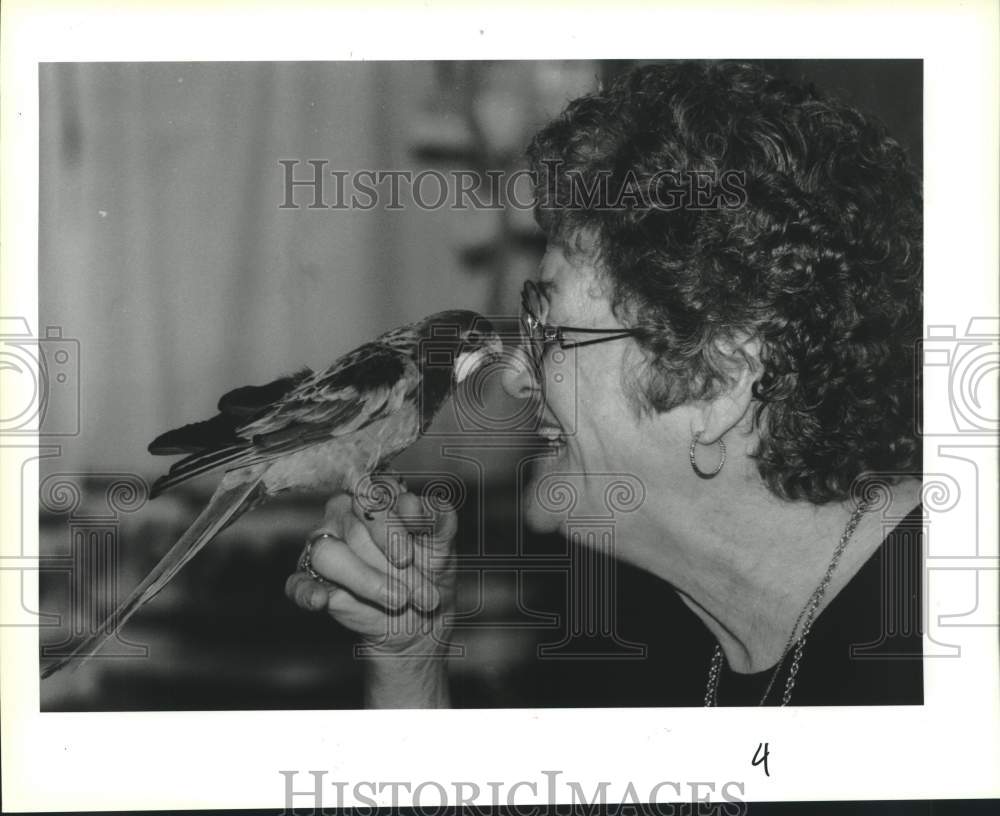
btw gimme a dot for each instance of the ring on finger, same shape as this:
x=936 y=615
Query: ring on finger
x=305 y=560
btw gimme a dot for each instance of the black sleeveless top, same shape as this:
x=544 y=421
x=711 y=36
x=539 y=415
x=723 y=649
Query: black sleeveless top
x=865 y=647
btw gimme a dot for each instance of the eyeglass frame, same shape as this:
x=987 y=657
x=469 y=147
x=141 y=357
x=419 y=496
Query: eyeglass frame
x=554 y=334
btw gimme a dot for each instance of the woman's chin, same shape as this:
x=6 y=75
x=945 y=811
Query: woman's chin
x=543 y=512
x=537 y=517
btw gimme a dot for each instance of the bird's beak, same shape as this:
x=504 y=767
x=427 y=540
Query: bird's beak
x=470 y=361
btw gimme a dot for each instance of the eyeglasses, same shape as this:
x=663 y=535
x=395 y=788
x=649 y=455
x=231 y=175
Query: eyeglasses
x=537 y=334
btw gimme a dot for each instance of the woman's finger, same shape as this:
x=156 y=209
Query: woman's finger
x=389 y=529
x=445 y=526
x=363 y=536
x=340 y=563
x=411 y=519
x=305 y=592
x=337 y=509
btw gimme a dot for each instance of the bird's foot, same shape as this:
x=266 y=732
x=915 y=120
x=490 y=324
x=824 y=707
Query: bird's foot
x=390 y=477
x=364 y=502
x=378 y=492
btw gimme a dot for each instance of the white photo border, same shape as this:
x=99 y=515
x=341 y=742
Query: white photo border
x=950 y=747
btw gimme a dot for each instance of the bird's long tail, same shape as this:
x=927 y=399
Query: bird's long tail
x=227 y=504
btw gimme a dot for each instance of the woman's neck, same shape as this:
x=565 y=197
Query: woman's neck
x=747 y=566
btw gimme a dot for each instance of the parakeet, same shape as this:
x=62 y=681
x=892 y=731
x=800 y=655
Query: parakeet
x=311 y=431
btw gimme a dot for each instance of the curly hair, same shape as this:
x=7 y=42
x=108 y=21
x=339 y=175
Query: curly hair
x=816 y=253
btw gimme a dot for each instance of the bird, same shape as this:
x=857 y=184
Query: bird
x=328 y=430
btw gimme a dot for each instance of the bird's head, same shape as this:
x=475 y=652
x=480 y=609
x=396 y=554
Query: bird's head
x=464 y=340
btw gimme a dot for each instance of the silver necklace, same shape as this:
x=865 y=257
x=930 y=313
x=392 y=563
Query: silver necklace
x=808 y=612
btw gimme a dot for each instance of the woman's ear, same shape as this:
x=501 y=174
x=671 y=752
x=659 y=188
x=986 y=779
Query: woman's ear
x=739 y=359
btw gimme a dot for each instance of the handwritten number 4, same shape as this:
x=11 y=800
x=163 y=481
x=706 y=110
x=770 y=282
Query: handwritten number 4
x=758 y=759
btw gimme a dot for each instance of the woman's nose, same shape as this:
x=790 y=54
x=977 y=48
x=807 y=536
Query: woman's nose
x=518 y=377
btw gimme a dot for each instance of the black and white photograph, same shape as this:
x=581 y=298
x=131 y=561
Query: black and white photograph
x=536 y=397
x=578 y=383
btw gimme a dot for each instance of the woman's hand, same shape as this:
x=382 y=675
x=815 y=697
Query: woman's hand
x=386 y=575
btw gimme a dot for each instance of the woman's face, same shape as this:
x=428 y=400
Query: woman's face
x=595 y=435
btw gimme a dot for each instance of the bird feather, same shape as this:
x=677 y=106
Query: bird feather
x=228 y=503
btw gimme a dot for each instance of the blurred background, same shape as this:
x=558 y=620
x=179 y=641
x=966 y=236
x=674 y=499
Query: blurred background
x=169 y=273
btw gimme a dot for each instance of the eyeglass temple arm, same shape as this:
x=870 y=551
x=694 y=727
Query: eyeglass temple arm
x=621 y=335
x=578 y=330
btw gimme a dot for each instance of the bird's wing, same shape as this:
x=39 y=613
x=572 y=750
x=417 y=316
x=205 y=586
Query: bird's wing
x=360 y=388
x=236 y=408
x=251 y=401
x=345 y=398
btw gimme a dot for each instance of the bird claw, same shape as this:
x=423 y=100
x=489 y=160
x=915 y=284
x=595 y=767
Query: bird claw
x=391 y=475
x=364 y=500
x=376 y=492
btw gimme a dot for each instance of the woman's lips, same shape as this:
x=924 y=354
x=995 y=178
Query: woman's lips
x=551 y=434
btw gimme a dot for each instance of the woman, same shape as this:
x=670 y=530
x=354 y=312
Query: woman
x=744 y=258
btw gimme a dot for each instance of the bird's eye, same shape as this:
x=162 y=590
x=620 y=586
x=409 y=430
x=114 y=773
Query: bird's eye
x=473 y=336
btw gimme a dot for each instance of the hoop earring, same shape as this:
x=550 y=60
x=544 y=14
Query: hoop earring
x=701 y=474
